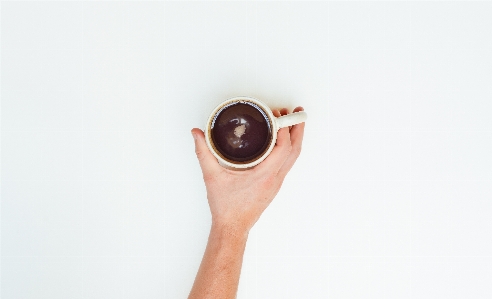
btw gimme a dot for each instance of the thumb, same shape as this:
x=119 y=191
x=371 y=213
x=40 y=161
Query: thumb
x=207 y=161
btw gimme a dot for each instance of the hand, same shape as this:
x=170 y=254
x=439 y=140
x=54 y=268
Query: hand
x=238 y=198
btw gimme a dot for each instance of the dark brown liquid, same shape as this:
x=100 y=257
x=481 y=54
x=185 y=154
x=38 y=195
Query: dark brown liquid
x=241 y=132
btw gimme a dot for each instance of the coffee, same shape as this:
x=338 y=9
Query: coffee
x=241 y=132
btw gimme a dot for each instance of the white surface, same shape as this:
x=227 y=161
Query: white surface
x=101 y=194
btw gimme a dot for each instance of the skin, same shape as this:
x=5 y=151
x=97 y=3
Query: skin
x=237 y=199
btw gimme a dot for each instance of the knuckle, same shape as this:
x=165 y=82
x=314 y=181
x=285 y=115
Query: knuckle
x=288 y=149
x=268 y=180
x=200 y=155
x=297 y=150
x=208 y=177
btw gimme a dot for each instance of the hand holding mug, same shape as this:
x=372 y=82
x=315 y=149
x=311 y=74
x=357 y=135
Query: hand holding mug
x=238 y=198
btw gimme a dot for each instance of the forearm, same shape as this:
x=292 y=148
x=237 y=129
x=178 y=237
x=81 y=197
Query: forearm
x=218 y=275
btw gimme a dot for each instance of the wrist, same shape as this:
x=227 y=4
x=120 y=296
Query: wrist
x=229 y=230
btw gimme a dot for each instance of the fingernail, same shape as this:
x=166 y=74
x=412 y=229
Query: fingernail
x=194 y=135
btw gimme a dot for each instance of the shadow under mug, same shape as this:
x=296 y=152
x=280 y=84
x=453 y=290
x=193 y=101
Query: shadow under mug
x=274 y=124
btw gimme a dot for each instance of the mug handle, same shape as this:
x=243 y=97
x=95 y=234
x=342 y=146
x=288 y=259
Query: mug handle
x=291 y=119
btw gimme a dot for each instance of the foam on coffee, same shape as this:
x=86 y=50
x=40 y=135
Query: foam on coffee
x=241 y=132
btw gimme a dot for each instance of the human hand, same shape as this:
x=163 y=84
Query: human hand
x=238 y=198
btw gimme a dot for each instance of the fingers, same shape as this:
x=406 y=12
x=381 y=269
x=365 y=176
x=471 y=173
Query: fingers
x=298 y=109
x=208 y=162
x=296 y=136
x=285 y=111
x=280 y=152
x=276 y=113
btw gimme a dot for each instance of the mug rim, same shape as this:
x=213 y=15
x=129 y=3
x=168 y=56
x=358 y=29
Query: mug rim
x=273 y=124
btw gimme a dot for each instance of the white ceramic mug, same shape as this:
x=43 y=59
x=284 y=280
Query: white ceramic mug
x=275 y=123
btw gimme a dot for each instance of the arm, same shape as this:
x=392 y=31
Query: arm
x=218 y=276
x=236 y=200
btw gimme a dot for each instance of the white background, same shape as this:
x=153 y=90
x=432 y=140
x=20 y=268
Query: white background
x=102 y=196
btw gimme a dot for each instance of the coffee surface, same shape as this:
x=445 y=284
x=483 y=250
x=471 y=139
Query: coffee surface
x=241 y=132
